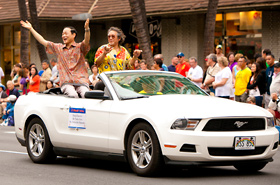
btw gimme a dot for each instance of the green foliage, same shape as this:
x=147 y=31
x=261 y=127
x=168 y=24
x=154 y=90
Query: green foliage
x=90 y=56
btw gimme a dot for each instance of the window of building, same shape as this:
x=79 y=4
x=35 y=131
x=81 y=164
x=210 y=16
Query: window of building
x=240 y=32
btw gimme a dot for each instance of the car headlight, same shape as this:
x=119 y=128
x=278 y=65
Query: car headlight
x=270 y=122
x=184 y=124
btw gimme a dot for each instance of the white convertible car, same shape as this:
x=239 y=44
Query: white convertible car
x=149 y=119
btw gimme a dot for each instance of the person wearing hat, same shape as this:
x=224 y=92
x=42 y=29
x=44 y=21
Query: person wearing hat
x=219 y=51
x=182 y=67
x=3 y=95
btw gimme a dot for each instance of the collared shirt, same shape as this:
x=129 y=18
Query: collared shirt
x=114 y=61
x=71 y=62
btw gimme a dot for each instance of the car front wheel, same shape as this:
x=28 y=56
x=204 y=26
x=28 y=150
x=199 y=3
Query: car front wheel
x=143 y=149
x=38 y=143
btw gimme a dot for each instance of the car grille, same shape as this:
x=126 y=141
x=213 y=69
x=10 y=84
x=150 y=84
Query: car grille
x=235 y=124
x=232 y=152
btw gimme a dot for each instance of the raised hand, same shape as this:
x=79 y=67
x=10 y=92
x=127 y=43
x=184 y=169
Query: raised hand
x=137 y=53
x=87 y=24
x=26 y=24
x=107 y=49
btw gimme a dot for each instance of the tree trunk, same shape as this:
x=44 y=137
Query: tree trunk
x=24 y=50
x=138 y=11
x=209 y=30
x=36 y=26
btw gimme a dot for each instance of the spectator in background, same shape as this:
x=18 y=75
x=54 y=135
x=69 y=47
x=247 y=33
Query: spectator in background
x=143 y=65
x=88 y=68
x=273 y=106
x=269 y=74
x=251 y=100
x=174 y=62
x=34 y=84
x=195 y=73
x=182 y=67
x=23 y=82
x=242 y=80
x=8 y=112
x=45 y=76
x=94 y=77
x=266 y=52
x=160 y=56
x=11 y=89
x=16 y=78
x=223 y=79
x=275 y=83
x=2 y=75
x=212 y=70
x=55 y=74
x=231 y=60
x=158 y=64
x=137 y=65
x=3 y=95
x=257 y=84
x=219 y=51
x=49 y=85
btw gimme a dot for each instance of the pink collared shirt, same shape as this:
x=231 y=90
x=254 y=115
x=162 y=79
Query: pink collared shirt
x=70 y=62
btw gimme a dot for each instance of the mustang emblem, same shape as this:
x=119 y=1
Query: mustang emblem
x=239 y=124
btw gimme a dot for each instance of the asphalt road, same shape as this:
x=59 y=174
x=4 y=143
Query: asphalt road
x=16 y=168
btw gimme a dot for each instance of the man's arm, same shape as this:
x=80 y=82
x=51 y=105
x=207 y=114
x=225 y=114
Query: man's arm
x=136 y=54
x=37 y=36
x=87 y=32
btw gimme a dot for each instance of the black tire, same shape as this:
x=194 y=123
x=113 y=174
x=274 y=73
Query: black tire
x=250 y=167
x=147 y=151
x=39 y=147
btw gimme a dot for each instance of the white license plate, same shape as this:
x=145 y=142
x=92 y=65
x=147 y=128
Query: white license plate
x=244 y=143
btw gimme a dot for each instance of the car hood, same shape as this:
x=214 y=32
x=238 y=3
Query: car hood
x=197 y=106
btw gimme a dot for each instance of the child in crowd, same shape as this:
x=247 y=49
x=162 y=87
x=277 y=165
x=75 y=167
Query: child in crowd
x=8 y=116
x=251 y=100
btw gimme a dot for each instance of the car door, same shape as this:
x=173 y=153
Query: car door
x=84 y=124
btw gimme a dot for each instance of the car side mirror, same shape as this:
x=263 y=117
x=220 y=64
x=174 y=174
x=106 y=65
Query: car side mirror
x=96 y=94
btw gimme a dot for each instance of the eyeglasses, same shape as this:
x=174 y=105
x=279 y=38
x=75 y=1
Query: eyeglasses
x=113 y=36
x=179 y=57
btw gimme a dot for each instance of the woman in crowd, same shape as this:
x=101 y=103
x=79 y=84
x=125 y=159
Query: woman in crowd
x=223 y=79
x=158 y=64
x=22 y=82
x=256 y=84
x=16 y=78
x=94 y=77
x=34 y=85
x=49 y=84
x=231 y=60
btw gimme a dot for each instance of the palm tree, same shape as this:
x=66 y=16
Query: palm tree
x=24 y=50
x=209 y=31
x=36 y=26
x=138 y=12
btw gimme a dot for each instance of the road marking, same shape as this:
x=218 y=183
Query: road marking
x=13 y=152
x=10 y=132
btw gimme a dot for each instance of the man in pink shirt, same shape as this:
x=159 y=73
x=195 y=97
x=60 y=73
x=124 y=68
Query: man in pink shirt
x=70 y=58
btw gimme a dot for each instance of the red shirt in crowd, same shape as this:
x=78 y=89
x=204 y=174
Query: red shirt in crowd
x=183 y=68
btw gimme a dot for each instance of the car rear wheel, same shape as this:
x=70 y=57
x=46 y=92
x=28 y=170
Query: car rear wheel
x=39 y=147
x=143 y=150
x=250 y=167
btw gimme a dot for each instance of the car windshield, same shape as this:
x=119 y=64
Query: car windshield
x=130 y=85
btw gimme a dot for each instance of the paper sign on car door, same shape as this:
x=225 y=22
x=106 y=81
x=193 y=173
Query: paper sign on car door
x=77 y=118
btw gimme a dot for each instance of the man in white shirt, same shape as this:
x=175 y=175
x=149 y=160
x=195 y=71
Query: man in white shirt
x=55 y=74
x=195 y=73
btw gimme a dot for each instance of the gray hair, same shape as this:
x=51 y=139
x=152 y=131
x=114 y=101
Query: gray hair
x=120 y=34
x=193 y=58
x=213 y=57
x=159 y=56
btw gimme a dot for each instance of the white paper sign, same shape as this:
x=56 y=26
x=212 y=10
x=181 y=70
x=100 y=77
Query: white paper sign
x=77 y=118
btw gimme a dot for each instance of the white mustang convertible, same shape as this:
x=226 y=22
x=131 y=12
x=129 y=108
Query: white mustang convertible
x=149 y=119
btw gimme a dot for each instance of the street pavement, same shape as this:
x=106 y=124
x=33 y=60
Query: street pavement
x=17 y=169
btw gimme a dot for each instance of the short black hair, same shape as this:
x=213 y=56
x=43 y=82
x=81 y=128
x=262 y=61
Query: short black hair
x=270 y=55
x=72 y=29
x=267 y=51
